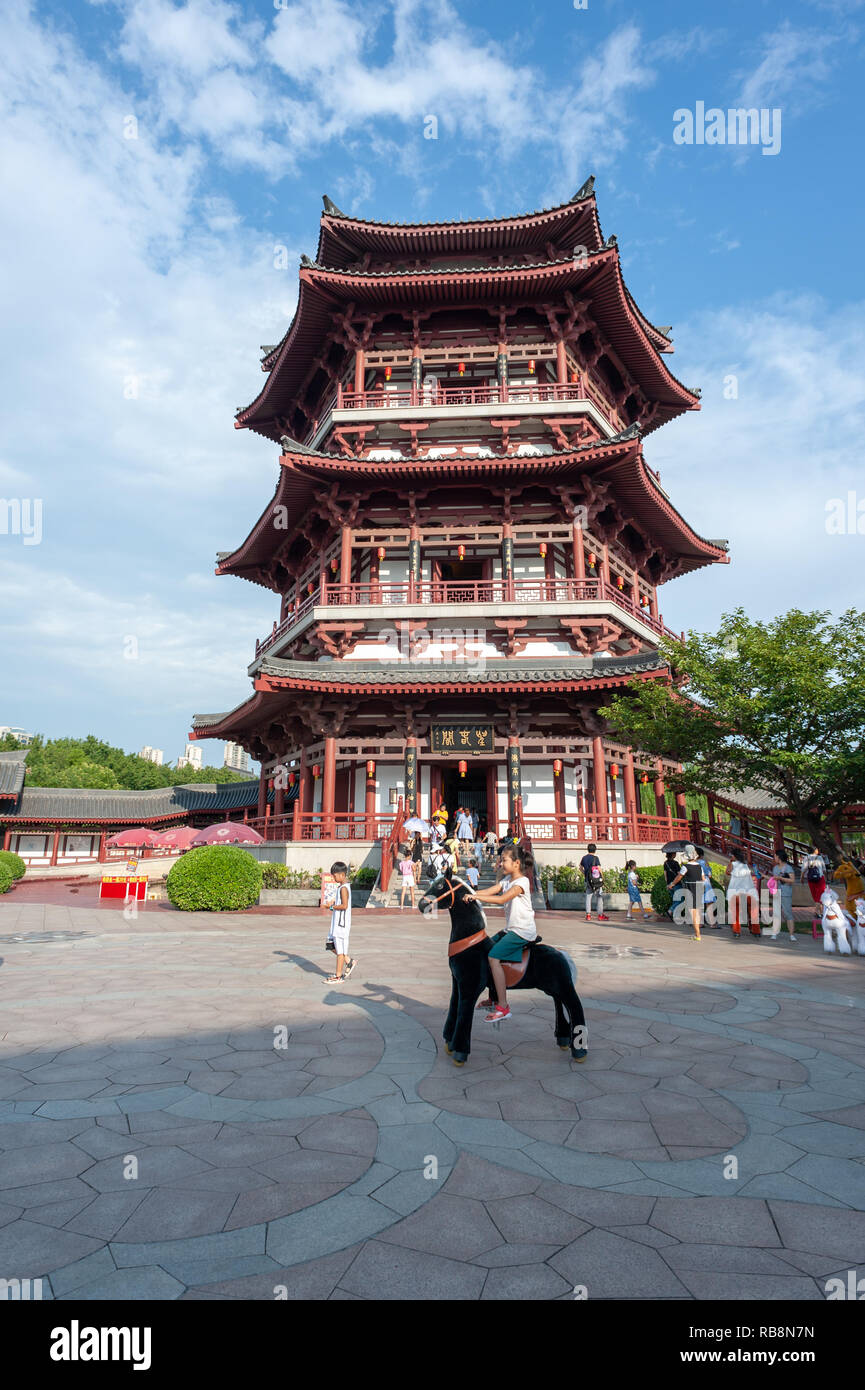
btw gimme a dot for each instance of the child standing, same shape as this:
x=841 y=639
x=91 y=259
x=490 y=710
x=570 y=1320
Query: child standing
x=406 y=869
x=338 y=899
x=634 y=899
x=514 y=894
x=473 y=876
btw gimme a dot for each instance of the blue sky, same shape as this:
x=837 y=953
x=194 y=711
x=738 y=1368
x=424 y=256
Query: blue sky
x=139 y=280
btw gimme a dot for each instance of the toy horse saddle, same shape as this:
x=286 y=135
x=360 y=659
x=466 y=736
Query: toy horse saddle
x=513 y=972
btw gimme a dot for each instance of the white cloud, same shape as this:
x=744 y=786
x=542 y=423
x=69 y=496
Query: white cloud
x=794 y=62
x=760 y=469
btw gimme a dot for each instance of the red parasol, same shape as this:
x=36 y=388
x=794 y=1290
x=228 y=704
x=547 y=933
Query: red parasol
x=140 y=838
x=180 y=837
x=227 y=832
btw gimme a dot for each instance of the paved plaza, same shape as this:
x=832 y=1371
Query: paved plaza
x=188 y=1110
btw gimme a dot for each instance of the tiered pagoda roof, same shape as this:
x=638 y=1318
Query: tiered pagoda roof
x=305 y=472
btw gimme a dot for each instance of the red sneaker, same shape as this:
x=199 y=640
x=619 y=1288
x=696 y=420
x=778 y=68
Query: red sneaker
x=602 y=917
x=588 y=916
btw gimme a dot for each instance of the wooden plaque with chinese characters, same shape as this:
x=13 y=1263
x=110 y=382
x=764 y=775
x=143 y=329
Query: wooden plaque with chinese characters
x=462 y=738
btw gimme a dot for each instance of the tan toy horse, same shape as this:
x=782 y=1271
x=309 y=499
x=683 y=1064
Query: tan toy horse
x=852 y=880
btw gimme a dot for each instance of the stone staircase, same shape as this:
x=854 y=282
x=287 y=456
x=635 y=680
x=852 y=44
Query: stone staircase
x=390 y=897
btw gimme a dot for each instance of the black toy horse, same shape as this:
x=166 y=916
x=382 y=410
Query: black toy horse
x=546 y=969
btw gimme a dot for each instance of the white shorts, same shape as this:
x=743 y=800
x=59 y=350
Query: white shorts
x=340 y=940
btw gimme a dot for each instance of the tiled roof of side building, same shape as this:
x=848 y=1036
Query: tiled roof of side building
x=135 y=807
x=13 y=767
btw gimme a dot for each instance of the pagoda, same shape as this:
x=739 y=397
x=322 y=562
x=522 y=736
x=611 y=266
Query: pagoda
x=466 y=540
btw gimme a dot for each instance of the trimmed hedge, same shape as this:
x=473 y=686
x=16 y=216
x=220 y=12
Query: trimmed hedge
x=365 y=878
x=6 y=878
x=13 y=862
x=214 y=878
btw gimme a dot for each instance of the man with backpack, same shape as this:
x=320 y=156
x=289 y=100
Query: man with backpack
x=594 y=880
x=813 y=870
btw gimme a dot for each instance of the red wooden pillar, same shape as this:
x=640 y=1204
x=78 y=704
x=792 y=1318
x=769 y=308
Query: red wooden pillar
x=681 y=806
x=559 y=803
x=605 y=563
x=100 y=853
x=262 y=793
x=414 y=570
x=660 y=792
x=328 y=790
x=579 y=552
x=279 y=803
x=492 y=799
x=369 y=807
x=561 y=362
x=7 y=839
x=55 y=847
x=653 y=603
x=779 y=833
x=435 y=788
x=599 y=786
x=508 y=560
x=345 y=560
x=359 y=369
x=630 y=795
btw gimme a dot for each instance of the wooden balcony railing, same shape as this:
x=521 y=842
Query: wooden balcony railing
x=317 y=825
x=481 y=591
x=515 y=393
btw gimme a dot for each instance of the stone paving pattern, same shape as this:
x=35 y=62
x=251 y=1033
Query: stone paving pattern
x=299 y=1169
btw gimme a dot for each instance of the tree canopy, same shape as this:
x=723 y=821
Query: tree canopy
x=778 y=706
x=90 y=762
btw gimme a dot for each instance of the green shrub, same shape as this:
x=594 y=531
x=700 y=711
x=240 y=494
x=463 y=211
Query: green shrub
x=6 y=878
x=13 y=862
x=215 y=878
x=273 y=875
x=567 y=879
x=365 y=878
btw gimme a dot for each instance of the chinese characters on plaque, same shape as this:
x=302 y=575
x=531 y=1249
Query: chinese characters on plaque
x=515 y=787
x=411 y=779
x=462 y=738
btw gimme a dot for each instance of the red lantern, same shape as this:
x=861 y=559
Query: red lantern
x=644 y=779
x=292 y=778
x=388 y=372
x=310 y=588
x=316 y=771
x=620 y=583
x=370 y=768
x=542 y=549
x=575 y=376
x=614 y=770
x=463 y=767
x=461 y=368
x=557 y=767
x=333 y=565
x=593 y=560
x=270 y=784
x=461 y=551
x=381 y=552
x=531 y=366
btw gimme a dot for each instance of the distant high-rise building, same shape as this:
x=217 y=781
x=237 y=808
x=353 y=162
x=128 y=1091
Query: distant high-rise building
x=153 y=755
x=16 y=732
x=191 y=757
x=236 y=757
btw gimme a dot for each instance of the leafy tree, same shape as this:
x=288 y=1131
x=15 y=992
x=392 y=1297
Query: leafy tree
x=779 y=707
x=90 y=762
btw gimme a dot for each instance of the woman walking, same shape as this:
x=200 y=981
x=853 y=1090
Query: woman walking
x=741 y=895
x=710 y=897
x=691 y=880
x=782 y=903
x=417 y=855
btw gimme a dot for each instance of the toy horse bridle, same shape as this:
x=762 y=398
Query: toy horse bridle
x=450 y=883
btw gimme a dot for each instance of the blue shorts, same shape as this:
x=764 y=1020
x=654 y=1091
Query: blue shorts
x=633 y=894
x=510 y=947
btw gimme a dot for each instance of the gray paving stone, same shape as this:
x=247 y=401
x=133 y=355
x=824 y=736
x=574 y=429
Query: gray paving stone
x=456 y=1227
x=405 y=1192
x=476 y=1177
x=838 y=1234
x=610 y=1266
x=782 y=1187
x=280 y=1199
x=596 y=1207
x=528 y=1281
x=326 y=1228
x=724 y=1259
x=145 y=1284
x=390 y=1272
x=728 y=1221
x=530 y=1219
x=823 y=1137
x=842 y=1178
x=33 y=1250
x=316 y=1280
x=407 y=1147
x=582 y=1169
x=736 y=1287
x=86 y=1271
x=646 y=1235
x=505 y=1255
x=26 y=1133
x=169 y=1214
x=105 y=1214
